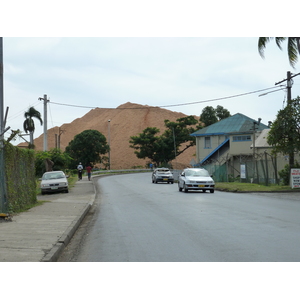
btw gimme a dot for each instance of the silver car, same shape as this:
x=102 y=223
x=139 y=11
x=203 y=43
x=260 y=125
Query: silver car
x=195 y=179
x=162 y=175
x=55 y=181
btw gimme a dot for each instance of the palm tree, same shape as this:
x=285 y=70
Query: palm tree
x=293 y=47
x=28 y=124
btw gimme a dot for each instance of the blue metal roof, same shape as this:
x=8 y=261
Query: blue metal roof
x=237 y=123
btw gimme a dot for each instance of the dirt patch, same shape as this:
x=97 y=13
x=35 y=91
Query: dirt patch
x=126 y=120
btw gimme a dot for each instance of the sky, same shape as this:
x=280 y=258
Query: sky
x=183 y=74
x=181 y=57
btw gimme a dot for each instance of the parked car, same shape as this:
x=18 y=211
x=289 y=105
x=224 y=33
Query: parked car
x=162 y=175
x=54 y=181
x=195 y=179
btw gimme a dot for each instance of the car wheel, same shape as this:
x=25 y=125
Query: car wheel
x=67 y=191
x=212 y=191
x=185 y=189
x=179 y=188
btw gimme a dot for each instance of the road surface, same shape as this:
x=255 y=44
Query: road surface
x=138 y=221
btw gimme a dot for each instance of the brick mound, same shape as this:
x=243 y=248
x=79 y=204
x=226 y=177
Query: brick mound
x=126 y=120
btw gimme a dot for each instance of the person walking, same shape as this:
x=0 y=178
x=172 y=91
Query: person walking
x=80 y=168
x=89 y=169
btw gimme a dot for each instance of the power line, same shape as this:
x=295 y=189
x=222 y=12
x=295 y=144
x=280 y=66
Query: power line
x=171 y=105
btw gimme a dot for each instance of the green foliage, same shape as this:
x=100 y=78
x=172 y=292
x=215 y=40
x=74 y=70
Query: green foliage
x=222 y=113
x=284 y=135
x=161 y=149
x=285 y=173
x=87 y=147
x=146 y=143
x=208 y=116
x=61 y=160
x=28 y=124
x=20 y=177
x=293 y=47
x=212 y=115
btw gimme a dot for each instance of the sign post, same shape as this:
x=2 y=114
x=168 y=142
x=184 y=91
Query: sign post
x=243 y=172
x=295 y=178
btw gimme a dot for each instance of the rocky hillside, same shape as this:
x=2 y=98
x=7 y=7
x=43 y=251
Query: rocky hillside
x=126 y=120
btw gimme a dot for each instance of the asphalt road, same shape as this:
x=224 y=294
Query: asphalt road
x=138 y=221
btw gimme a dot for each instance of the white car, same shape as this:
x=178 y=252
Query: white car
x=54 y=181
x=195 y=179
x=162 y=175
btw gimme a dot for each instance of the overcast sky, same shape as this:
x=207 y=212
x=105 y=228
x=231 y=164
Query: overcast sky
x=107 y=72
x=164 y=55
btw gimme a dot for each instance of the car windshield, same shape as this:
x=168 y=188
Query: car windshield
x=201 y=173
x=50 y=176
x=163 y=171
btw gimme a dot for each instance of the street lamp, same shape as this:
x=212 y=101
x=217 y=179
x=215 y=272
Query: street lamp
x=254 y=132
x=109 y=144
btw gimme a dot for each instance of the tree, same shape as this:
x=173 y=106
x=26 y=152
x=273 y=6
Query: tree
x=180 y=133
x=222 y=113
x=145 y=144
x=293 y=47
x=208 y=116
x=212 y=115
x=87 y=147
x=161 y=149
x=284 y=135
x=28 y=124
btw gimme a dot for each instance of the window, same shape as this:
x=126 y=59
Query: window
x=207 y=142
x=241 y=138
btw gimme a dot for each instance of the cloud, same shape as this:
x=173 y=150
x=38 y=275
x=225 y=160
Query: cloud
x=107 y=72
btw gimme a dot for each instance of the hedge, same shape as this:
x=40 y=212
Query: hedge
x=20 y=177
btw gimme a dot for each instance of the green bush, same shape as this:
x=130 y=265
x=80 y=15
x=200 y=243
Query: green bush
x=61 y=161
x=20 y=177
x=284 y=174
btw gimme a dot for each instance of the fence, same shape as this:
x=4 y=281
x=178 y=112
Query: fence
x=263 y=168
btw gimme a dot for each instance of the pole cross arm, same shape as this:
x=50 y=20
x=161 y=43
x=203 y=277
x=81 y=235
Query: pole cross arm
x=7 y=128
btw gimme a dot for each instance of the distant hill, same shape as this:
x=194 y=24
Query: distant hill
x=126 y=120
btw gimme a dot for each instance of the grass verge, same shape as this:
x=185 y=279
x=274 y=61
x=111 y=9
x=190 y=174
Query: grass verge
x=251 y=187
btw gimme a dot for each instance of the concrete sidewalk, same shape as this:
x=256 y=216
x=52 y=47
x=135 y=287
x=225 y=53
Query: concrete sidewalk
x=41 y=233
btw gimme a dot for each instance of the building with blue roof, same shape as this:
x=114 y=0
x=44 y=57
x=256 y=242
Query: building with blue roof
x=227 y=139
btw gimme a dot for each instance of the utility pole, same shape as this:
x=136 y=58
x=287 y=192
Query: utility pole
x=109 y=144
x=289 y=87
x=254 y=160
x=3 y=195
x=45 y=122
x=289 y=81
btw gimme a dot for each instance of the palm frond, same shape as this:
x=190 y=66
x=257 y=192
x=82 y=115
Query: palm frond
x=293 y=51
x=293 y=47
x=262 y=42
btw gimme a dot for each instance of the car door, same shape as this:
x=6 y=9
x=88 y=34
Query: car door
x=181 y=179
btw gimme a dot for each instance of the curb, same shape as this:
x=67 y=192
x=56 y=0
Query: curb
x=59 y=246
x=56 y=250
